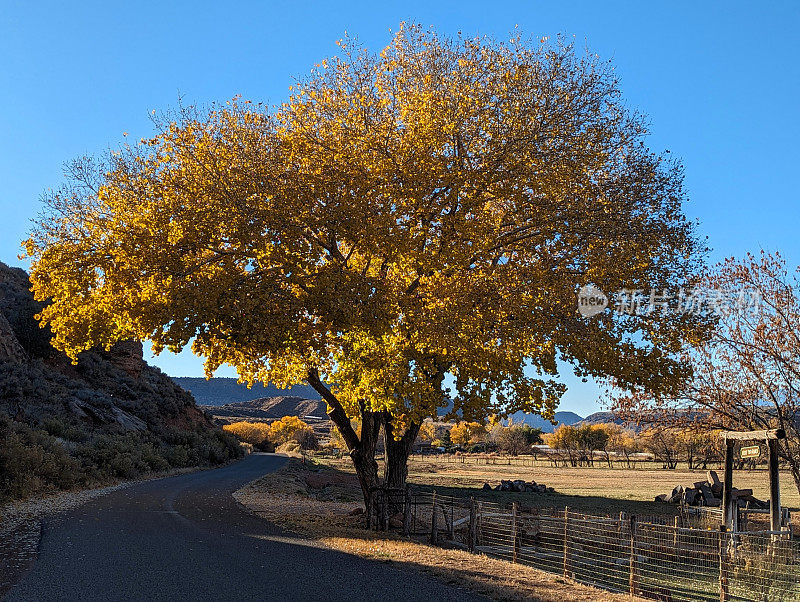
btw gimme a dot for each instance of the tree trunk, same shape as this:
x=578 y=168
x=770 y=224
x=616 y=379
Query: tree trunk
x=363 y=456
x=397 y=452
x=362 y=449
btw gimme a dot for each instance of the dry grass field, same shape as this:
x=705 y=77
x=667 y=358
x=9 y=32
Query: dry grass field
x=586 y=489
x=636 y=485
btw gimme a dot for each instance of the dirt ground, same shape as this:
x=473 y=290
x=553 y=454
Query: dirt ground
x=319 y=501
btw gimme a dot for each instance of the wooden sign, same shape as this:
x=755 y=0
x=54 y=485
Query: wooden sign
x=751 y=451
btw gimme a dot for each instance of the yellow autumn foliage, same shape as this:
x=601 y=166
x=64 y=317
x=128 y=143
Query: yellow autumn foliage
x=254 y=433
x=411 y=225
x=464 y=433
x=287 y=429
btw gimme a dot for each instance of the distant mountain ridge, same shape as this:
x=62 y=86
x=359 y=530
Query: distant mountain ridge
x=603 y=418
x=538 y=422
x=271 y=407
x=222 y=391
x=232 y=398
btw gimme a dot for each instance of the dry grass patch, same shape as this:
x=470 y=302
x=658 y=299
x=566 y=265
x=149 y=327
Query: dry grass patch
x=317 y=500
x=638 y=484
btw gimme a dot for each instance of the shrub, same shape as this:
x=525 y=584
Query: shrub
x=284 y=430
x=254 y=433
x=289 y=447
x=32 y=462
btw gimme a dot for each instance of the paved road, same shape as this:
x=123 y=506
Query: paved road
x=185 y=538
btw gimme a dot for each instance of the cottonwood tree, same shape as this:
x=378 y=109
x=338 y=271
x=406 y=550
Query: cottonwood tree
x=746 y=376
x=409 y=229
x=581 y=442
x=622 y=442
x=464 y=433
x=663 y=442
x=517 y=438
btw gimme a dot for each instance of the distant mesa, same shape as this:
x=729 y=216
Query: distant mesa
x=222 y=391
x=232 y=399
x=268 y=408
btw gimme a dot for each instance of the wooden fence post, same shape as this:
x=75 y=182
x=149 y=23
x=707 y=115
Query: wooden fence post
x=407 y=513
x=633 y=578
x=473 y=525
x=479 y=525
x=514 y=535
x=434 y=527
x=451 y=530
x=676 y=524
x=727 y=487
x=723 y=564
x=774 y=490
x=566 y=542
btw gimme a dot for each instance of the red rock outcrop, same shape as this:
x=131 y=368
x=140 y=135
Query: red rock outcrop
x=129 y=356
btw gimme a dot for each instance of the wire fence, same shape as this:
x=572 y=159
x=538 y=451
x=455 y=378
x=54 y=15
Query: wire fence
x=746 y=519
x=653 y=557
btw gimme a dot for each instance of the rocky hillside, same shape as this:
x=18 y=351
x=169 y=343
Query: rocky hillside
x=604 y=418
x=110 y=416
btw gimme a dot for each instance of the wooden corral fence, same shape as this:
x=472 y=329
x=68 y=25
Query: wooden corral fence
x=653 y=557
x=542 y=459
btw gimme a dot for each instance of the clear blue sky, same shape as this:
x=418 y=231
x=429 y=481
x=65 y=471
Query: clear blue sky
x=719 y=81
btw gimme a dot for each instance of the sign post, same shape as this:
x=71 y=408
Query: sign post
x=771 y=437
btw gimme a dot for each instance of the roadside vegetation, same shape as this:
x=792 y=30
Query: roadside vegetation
x=289 y=433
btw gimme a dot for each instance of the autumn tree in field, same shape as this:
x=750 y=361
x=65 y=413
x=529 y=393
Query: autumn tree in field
x=289 y=428
x=427 y=431
x=517 y=438
x=622 y=442
x=663 y=442
x=464 y=433
x=580 y=442
x=412 y=226
x=306 y=438
x=746 y=376
x=564 y=441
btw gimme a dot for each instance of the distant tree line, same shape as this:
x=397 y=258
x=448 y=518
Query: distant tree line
x=585 y=444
